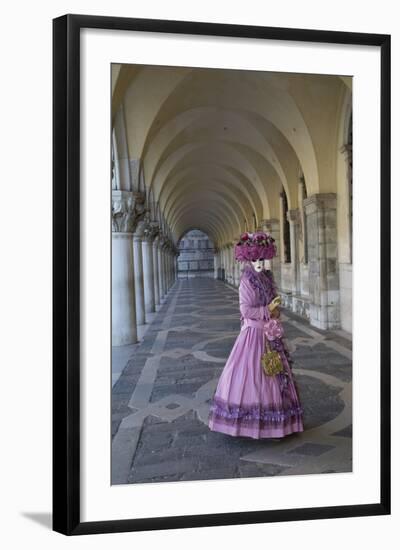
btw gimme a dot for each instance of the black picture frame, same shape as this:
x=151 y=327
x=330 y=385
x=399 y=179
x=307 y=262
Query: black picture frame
x=66 y=273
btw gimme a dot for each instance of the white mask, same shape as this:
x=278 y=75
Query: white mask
x=258 y=265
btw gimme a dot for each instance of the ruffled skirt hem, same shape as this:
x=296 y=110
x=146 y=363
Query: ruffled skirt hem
x=257 y=428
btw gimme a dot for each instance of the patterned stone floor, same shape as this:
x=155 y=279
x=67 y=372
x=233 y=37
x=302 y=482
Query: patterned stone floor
x=160 y=401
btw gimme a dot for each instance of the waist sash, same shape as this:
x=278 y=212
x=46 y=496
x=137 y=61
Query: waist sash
x=253 y=323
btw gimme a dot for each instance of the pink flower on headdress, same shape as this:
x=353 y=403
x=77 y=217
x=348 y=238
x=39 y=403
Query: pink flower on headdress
x=244 y=237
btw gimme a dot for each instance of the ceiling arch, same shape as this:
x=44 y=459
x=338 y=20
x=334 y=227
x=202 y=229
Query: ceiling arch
x=217 y=146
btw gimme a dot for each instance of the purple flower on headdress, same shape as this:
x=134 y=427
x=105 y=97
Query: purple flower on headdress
x=253 y=246
x=260 y=238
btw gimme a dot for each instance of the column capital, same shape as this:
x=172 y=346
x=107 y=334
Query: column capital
x=138 y=234
x=127 y=209
x=166 y=244
x=320 y=201
x=270 y=225
x=151 y=230
x=293 y=216
x=161 y=240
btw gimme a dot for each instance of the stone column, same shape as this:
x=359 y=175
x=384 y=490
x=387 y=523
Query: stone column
x=293 y=217
x=216 y=263
x=138 y=273
x=126 y=211
x=323 y=260
x=148 y=269
x=164 y=269
x=168 y=256
x=156 y=280
x=172 y=262
x=236 y=271
x=233 y=262
x=224 y=264
x=169 y=266
x=302 y=230
x=123 y=291
x=227 y=263
x=281 y=229
x=176 y=265
x=160 y=268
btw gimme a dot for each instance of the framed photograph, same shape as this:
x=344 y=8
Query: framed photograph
x=221 y=274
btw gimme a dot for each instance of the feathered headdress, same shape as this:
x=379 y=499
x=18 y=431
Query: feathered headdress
x=253 y=246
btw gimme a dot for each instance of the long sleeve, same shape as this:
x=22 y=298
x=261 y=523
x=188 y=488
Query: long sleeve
x=246 y=303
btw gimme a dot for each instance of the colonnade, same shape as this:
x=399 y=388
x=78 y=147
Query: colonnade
x=144 y=266
x=292 y=178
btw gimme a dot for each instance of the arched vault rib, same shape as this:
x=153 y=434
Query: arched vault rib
x=221 y=216
x=155 y=96
x=221 y=175
x=217 y=153
x=203 y=219
x=143 y=99
x=266 y=175
x=208 y=228
x=261 y=93
x=192 y=185
x=254 y=144
x=214 y=203
x=205 y=124
x=204 y=176
x=270 y=178
x=224 y=209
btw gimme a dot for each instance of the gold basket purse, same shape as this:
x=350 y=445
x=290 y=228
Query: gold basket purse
x=271 y=361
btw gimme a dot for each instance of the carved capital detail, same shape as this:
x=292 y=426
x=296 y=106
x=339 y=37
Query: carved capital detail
x=293 y=216
x=269 y=225
x=127 y=209
x=320 y=201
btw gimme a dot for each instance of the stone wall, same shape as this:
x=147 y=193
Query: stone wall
x=196 y=255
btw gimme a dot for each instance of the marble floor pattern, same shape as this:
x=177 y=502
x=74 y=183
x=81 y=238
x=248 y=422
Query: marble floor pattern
x=161 y=399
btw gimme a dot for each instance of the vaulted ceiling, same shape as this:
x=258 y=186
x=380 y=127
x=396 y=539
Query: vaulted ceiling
x=217 y=146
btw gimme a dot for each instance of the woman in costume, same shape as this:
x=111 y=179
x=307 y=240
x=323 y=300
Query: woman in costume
x=256 y=395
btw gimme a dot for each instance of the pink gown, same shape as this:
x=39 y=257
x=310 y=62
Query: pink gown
x=247 y=402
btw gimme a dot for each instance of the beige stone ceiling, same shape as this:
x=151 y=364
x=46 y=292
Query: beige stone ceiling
x=217 y=146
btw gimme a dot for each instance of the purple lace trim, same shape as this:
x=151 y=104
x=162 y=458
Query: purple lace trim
x=263 y=284
x=253 y=412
